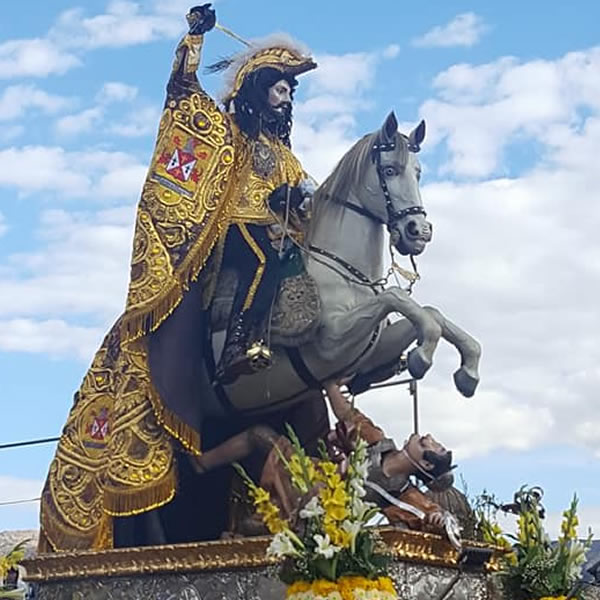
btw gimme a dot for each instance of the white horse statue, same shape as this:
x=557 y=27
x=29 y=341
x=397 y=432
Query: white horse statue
x=374 y=186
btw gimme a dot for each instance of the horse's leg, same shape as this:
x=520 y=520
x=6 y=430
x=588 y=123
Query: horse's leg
x=466 y=378
x=401 y=334
x=361 y=321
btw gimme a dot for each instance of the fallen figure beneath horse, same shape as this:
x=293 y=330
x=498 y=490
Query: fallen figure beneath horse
x=388 y=483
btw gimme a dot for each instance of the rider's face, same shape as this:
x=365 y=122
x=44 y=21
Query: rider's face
x=280 y=95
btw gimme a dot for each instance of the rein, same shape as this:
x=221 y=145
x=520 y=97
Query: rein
x=392 y=214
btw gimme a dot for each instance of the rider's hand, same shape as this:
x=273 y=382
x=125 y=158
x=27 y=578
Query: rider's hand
x=279 y=198
x=201 y=19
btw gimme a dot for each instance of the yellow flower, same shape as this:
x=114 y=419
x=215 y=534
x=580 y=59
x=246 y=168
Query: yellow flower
x=346 y=588
x=275 y=524
x=299 y=587
x=322 y=587
x=260 y=495
x=328 y=468
x=335 y=503
x=339 y=537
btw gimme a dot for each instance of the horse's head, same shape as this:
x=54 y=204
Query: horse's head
x=391 y=186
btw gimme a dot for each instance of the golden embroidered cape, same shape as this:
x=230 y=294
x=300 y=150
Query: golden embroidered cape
x=115 y=456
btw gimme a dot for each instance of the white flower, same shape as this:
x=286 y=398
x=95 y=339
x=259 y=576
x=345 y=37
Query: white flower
x=352 y=527
x=312 y=509
x=361 y=468
x=281 y=545
x=324 y=546
x=360 y=508
x=358 y=487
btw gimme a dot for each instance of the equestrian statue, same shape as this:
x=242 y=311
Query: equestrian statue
x=251 y=290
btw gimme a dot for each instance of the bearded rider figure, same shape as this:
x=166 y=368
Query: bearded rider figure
x=258 y=113
x=218 y=176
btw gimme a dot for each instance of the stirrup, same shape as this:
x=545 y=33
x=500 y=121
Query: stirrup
x=260 y=356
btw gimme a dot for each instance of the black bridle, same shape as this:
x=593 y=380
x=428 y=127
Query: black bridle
x=393 y=216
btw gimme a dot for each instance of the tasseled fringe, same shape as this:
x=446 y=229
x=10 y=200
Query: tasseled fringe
x=125 y=502
x=184 y=433
x=139 y=322
x=56 y=536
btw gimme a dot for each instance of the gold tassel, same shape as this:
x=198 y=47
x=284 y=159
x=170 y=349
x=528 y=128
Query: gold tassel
x=142 y=321
x=125 y=502
x=184 y=433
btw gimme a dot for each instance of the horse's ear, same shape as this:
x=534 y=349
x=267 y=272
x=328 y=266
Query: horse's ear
x=416 y=137
x=389 y=128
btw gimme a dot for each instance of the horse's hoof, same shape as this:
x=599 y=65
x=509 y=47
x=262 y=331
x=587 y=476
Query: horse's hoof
x=466 y=383
x=418 y=364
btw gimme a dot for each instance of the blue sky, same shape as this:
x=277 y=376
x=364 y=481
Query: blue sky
x=511 y=95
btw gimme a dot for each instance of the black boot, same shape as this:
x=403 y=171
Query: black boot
x=240 y=357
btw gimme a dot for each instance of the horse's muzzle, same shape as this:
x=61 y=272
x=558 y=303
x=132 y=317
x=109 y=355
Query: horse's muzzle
x=412 y=236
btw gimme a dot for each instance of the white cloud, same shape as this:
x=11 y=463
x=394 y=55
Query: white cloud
x=16 y=99
x=465 y=29
x=53 y=337
x=391 y=51
x=491 y=420
x=123 y=24
x=116 y=91
x=142 y=121
x=3 y=225
x=325 y=120
x=34 y=58
x=17 y=488
x=81 y=268
x=69 y=173
x=23 y=515
x=482 y=109
x=80 y=122
x=342 y=73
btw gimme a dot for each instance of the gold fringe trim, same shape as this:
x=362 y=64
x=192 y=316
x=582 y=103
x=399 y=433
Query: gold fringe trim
x=187 y=436
x=124 y=502
x=138 y=322
x=55 y=536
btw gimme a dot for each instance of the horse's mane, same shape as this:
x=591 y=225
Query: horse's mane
x=334 y=191
x=330 y=195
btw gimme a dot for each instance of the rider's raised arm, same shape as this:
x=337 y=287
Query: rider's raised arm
x=183 y=80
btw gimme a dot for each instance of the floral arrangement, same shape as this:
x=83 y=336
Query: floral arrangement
x=8 y=562
x=330 y=552
x=533 y=567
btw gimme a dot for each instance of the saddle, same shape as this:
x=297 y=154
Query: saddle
x=296 y=313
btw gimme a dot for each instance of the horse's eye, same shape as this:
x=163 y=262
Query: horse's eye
x=390 y=171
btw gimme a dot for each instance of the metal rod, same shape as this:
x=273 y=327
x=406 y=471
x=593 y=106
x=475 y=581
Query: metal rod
x=29 y=443
x=12 y=502
x=390 y=384
x=412 y=388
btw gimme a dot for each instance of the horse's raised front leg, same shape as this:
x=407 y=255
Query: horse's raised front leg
x=398 y=336
x=466 y=378
x=360 y=322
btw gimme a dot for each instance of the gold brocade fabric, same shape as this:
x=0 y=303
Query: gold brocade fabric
x=115 y=457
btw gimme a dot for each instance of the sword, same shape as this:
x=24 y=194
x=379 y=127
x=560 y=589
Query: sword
x=232 y=34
